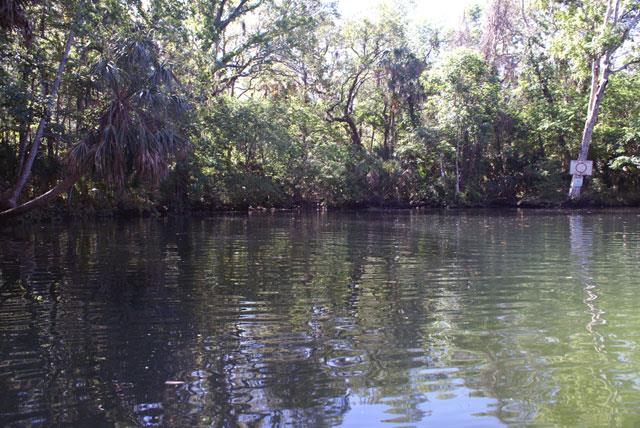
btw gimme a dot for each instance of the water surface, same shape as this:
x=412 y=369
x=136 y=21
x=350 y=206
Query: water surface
x=380 y=319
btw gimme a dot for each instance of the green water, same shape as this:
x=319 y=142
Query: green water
x=521 y=318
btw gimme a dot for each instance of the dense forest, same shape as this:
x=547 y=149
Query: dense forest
x=151 y=106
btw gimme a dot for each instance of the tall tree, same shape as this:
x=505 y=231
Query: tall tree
x=357 y=54
x=614 y=24
x=11 y=198
x=136 y=133
x=467 y=104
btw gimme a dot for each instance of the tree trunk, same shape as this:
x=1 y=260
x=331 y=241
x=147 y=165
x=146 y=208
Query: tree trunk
x=601 y=70
x=41 y=200
x=457 y=170
x=12 y=200
x=353 y=131
x=182 y=181
x=23 y=132
x=22 y=146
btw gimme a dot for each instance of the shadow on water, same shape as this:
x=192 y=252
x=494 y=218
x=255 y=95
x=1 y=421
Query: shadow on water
x=320 y=320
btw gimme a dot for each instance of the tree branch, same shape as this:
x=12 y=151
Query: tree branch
x=626 y=65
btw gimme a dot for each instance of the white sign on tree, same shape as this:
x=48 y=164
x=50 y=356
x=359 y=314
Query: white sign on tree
x=581 y=168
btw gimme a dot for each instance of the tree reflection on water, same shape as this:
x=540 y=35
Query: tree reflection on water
x=320 y=320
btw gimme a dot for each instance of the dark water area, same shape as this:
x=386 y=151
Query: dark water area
x=368 y=319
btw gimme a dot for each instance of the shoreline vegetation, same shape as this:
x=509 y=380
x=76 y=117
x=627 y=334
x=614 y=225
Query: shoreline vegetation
x=129 y=108
x=59 y=212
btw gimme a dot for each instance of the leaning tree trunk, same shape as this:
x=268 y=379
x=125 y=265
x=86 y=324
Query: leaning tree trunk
x=624 y=23
x=25 y=172
x=600 y=72
x=354 y=133
x=457 y=170
x=41 y=200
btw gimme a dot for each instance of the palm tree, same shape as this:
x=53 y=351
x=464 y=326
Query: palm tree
x=136 y=135
x=137 y=132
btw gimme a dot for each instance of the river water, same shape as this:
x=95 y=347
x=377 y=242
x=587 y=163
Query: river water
x=365 y=319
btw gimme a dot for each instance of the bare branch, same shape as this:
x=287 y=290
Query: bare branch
x=626 y=65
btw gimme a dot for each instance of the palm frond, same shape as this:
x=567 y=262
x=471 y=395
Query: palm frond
x=136 y=134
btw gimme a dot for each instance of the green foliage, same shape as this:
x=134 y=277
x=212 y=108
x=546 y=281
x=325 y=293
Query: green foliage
x=137 y=126
x=276 y=103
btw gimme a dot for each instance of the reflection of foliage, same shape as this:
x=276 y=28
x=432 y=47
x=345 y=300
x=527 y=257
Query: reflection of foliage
x=272 y=316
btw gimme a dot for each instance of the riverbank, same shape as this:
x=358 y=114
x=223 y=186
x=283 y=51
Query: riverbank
x=62 y=212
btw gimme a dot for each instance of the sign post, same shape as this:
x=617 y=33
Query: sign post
x=579 y=169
